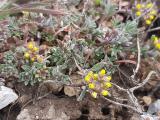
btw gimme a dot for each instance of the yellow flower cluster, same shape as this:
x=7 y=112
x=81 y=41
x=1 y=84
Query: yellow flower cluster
x=98 y=83
x=32 y=53
x=156 y=41
x=142 y=8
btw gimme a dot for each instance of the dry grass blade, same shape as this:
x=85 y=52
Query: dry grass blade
x=37 y=10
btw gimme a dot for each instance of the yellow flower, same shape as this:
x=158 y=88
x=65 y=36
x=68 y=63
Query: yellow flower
x=138 y=6
x=32 y=59
x=104 y=92
x=108 y=84
x=39 y=58
x=35 y=49
x=95 y=76
x=91 y=85
x=30 y=45
x=154 y=38
x=94 y=94
x=153 y=12
x=87 y=78
x=109 y=78
x=148 y=22
x=158 y=45
x=138 y=13
x=149 y=5
x=151 y=17
x=90 y=73
x=102 y=72
x=27 y=55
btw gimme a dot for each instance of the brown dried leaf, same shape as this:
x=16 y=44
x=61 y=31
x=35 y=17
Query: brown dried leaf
x=70 y=91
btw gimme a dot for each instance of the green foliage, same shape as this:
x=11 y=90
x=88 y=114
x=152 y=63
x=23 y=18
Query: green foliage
x=97 y=2
x=90 y=27
x=71 y=19
x=114 y=52
x=35 y=73
x=125 y=32
x=57 y=56
x=99 y=54
x=49 y=37
x=9 y=67
x=109 y=8
x=58 y=74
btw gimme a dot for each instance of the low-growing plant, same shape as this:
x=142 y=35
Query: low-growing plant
x=98 y=83
x=148 y=10
x=35 y=73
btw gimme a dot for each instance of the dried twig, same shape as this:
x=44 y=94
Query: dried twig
x=85 y=6
x=120 y=88
x=120 y=104
x=37 y=10
x=139 y=60
x=154 y=29
x=144 y=81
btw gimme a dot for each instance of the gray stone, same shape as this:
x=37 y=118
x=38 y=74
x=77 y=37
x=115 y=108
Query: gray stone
x=24 y=115
x=154 y=107
x=53 y=114
x=7 y=96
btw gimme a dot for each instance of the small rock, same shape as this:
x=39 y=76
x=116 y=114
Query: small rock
x=7 y=96
x=149 y=117
x=24 y=115
x=154 y=107
x=147 y=100
x=51 y=113
x=54 y=114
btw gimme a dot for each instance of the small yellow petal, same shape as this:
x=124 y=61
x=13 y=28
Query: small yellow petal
x=153 y=12
x=87 y=78
x=148 y=22
x=104 y=92
x=102 y=72
x=90 y=73
x=158 y=45
x=149 y=5
x=30 y=45
x=95 y=76
x=138 y=13
x=155 y=39
x=27 y=55
x=91 y=85
x=32 y=59
x=108 y=84
x=94 y=94
x=138 y=6
x=151 y=17
x=35 y=49
x=109 y=78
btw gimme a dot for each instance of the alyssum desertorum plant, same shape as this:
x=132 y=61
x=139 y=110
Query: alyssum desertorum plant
x=98 y=83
